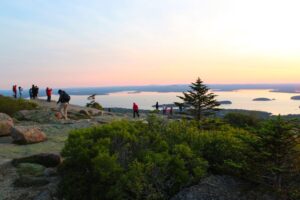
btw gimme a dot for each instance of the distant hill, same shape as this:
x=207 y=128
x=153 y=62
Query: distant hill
x=287 y=88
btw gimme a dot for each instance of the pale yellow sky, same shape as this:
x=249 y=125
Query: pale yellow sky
x=137 y=42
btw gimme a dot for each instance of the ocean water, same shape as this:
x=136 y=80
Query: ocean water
x=241 y=99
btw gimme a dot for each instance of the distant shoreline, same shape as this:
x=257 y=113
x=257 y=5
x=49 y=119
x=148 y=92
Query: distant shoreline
x=278 y=88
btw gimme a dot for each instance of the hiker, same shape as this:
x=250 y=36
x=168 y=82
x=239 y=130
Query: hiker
x=135 y=110
x=36 y=91
x=15 y=91
x=156 y=105
x=48 y=93
x=20 y=91
x=33 y=89
x=30 y=93
x=64 y=100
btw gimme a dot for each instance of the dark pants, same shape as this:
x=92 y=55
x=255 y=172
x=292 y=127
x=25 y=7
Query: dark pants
x=136 y=112
x=49 y=98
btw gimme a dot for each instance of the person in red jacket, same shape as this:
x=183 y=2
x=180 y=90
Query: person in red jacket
x=49 y=93
x=135 y=110
x=15 y=91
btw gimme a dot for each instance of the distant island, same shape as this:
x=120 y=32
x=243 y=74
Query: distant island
x=285 y=88
x=225 y=102
x=296 y=97
x=262 y=99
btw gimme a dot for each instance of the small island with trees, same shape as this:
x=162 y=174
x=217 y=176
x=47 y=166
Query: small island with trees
x=295 y=97
x=262 y=99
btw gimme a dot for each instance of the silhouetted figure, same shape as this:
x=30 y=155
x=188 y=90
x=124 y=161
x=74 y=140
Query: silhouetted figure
x=135 y=110
x=30 y=93
x=34 y=91
x=171 y=110
x=49 y=93
x=156 y=105
x=14 y=91
x=64 y=100
x=20 y=92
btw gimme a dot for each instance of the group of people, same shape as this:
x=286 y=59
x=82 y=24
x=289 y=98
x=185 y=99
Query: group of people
x=63 y=100
x=33 y=92
x=166 y=110
x=15 y=91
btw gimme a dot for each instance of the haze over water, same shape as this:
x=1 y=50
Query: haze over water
x=241 y=99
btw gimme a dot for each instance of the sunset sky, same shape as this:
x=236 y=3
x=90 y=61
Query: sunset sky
x=139 y=42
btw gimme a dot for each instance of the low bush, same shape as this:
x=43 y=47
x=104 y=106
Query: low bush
x=95 y=105
x=10 y=106
x=154 y=160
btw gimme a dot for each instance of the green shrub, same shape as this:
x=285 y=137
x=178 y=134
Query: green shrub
x=10 y=106
x=275 y=157
x=131 y=160
x=154 y=160
x=242 y=120
x=95 y=105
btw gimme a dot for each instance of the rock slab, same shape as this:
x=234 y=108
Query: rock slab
x=6 y=124
x=44 y=159
x=27 y=135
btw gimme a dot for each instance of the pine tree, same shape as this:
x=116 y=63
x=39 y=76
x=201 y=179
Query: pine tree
x=276 y=155
x=199 y=100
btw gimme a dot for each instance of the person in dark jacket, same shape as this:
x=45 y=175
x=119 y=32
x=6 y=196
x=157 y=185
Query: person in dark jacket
x=156 y=105
x=135 y=110
x=64 y=100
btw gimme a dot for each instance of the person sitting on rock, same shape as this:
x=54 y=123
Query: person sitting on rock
x=64 y=100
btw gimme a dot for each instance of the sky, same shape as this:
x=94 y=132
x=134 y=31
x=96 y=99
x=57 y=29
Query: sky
x=76 y=43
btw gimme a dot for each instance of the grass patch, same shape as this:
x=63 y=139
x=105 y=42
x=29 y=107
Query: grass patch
x=10 y=106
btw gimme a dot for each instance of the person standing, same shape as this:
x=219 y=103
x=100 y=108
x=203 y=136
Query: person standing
x=33 y=89
x=64 y=100
x=36 y=91
x=20 y=92
x=49 y=93
x=15 y=91
x=156 y=105
x=30 y=93
x=135 y=110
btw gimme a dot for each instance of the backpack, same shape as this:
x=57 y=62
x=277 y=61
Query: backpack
x=65 y=97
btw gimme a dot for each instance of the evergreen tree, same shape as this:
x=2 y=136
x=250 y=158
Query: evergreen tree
x=275 y=157
x=199 y=100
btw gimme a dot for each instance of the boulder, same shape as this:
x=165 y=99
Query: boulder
x=85 y=112
x=45 y=159
x=28 y=181
x=27 y=135
x=40 y=116
x=30 y=169
x=6 y=124
x=224 y=188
